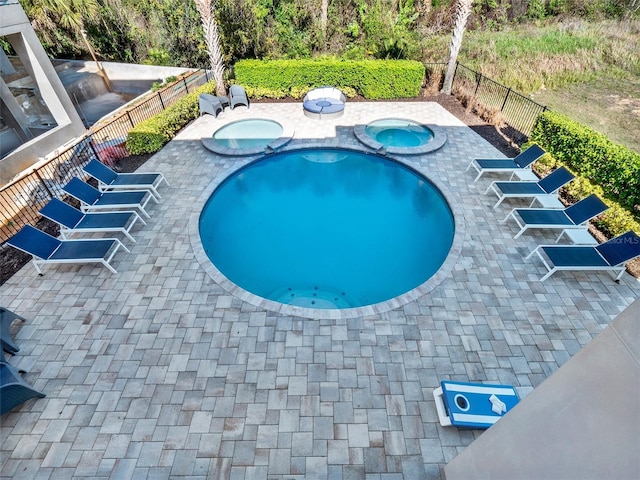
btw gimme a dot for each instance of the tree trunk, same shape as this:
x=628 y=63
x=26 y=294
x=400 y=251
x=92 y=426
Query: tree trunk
x=463 y=10
x=324 y=14
x=206 y=9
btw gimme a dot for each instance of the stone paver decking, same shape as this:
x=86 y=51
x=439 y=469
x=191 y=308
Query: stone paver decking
x=161 y=372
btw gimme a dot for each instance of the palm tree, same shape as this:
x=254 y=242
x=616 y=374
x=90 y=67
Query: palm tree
x=463 y=10
x=46 y=15
x=206 y=8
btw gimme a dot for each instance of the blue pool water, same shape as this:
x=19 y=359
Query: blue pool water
x=248 y=133
x=392 y=132
x=327 y=228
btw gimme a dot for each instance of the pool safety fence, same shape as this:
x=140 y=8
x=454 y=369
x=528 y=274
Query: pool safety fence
x=21 y=200
x=519 y=112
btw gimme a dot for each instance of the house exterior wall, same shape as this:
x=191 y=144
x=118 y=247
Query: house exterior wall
x=15 y=27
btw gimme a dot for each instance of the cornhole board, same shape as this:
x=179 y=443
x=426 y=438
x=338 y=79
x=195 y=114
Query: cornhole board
x=473 y=405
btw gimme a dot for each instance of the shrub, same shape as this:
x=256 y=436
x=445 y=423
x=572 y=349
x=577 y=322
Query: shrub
x=150 y=135
x=373 y=79
x=615 y=168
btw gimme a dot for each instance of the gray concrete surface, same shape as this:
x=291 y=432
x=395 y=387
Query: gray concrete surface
x=160 y=371
x=581 y=423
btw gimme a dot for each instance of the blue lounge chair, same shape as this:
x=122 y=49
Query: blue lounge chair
x=473 y=405
x=47 y=249
x=549 y=185
x=575 y=216
x=611 y=255
x=522 y=161
x=109 y=180
x=237 y=96
x=6 y=319
x=14 y=390
x=92 y=200
x=72 y=220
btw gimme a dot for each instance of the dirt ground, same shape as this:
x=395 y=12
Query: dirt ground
x=11 y=260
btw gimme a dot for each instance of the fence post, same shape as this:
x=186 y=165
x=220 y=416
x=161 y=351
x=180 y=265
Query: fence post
x=130 y=119
x=505 y=99
x=478 y=80
x=186 y=86
x=161 y=101
x=43 y=183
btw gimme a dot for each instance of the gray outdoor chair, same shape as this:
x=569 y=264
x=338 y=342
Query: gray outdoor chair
x=209 y=104
x=237 y=96
x=6 y=319
x=14 y=390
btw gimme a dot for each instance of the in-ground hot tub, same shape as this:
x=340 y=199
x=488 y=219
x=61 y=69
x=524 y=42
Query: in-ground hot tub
x=400 y=136
x=248 y=137
x=324 y=102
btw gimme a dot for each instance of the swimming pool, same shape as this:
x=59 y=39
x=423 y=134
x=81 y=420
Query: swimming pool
x=400 y=136
x=248 y=137
x=326 y=228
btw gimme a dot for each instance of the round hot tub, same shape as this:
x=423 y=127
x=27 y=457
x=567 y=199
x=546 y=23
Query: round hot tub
x=248 y=137
x=400 y=136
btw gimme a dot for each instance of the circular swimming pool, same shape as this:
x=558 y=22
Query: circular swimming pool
x=402 y=136
x=326 y=228
x=247 y=137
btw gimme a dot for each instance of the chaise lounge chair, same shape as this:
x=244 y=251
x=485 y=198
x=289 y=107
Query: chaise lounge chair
x=611 y=255
x=14 y=390
x=109 y=180
x=6 y=319
x=92 y=200
x=549 y=185
x=575 y=216
x=47 y=249
x=237 y=96
x=72 y=220
x=209 y=104
x=522 y=161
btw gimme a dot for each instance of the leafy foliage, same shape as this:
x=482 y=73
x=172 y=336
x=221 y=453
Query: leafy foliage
x=373 y=79
x=150 y=135
x=610 y=170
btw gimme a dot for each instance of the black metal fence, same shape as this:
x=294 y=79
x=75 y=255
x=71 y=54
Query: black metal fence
x=21 y=200
x=519 y=112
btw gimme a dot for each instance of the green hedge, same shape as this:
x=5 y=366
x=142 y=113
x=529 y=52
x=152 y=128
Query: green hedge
x=373 y=79
x=150 y=135
x=615 y=221
x=615 y=168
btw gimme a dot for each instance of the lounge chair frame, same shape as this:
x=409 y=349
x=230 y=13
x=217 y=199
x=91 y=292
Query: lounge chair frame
x=92 y=200
x=72 y=220
x=62 y=251
x=601 y=260
x=110 y=180
x=597 y=207
x=523 y=161
x=548 y=185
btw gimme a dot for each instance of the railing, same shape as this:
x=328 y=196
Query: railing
x=21 y=200
x=518 y=111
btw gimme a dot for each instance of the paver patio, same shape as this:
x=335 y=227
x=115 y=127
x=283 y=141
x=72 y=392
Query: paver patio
x=161 y=372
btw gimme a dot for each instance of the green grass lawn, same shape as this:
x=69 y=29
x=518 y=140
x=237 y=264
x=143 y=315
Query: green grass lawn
x=609 y=106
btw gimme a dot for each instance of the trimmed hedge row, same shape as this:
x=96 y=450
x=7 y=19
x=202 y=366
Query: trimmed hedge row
x=150 y=135
x=615 y=168
x=613 y=222
x=373 y=79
